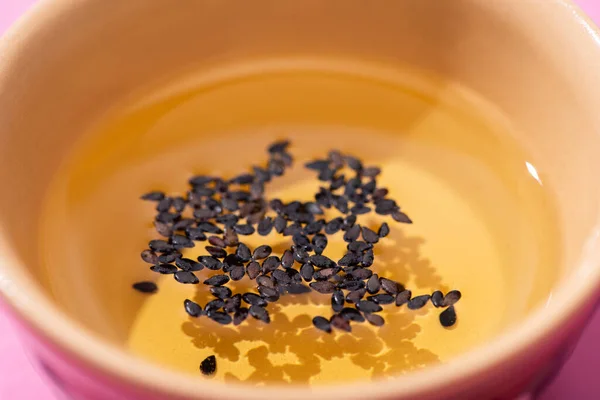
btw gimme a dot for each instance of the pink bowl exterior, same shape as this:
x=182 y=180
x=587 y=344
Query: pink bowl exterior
x=519 y=377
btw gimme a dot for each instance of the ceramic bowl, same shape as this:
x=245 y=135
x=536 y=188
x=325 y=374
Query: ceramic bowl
x=66 y=62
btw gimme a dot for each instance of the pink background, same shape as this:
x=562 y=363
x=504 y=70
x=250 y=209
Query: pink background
x=19 y=381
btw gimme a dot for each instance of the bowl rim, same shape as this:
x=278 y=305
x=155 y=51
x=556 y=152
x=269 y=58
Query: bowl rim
x=39 y=314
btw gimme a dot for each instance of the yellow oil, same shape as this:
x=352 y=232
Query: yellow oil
x=484 y=221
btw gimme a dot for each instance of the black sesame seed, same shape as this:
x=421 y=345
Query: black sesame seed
x=281 y=276
x=261 y=174
x=349 y=222
x=164 y=204
x=352 y=233
x=360 y=209
x=179 y=204
x=324 y=287
x=243 y=252
x=279 y=146
x=321 y=261
x=307 y=271
x=280 y=224
x=200 y=180
x=337 y=301
x=403 y=297
x=265 y=226
x=314 y=227
x=253 y=269
x=216 y=280
x=313 y=208
x=317 y=165
x=292 y=229
x=228 y=219
x=210 y=227
x=354 y=163
x=301 y=241
x=233 y=303
x=437 y=299
x=216 y=241
x=260 y=313
x=270 y=264
x=351 y=285
x=361 y=273
x=168 y=258
x=164 y=269
x=214 y=305
x=231 y=238
x=336 y=158
x=196 y=234
x=230 y=204
x=276 y=167
x=384 y=230
x=188 y=265
x=334 y=226
x=163 y=229
x=371 y=172
x=322 y=324
x=319 y=243
x=167 y=217
x=222 y=292
x=337 y=182
x=253 y=299
x=358 y=246
x=149 y=257
x=385 y=206
x=244 y=229
x=382 y=298
x=216 y=252
x=350 y=259
x=262 y=252
x=352 y=314
x=296 y=288
x=339 y=322
x=391 y=286
x=210 y=262
x=287 y=259
x=243 y=179
x=355 y=296
x=220 y=317
x=369 y=236
x=300 y=255
x=418 y=302
x=368 y=306
x=375 y=319
x=240 y=315
x=145 y=287
x=265 y=280
x=209 y=365
x=180 y=241
x=187 y=277
x=368 y=259
x=451 y=298
x=153 y=196
x=399 y=216
x=326 y=273
x=373 y=284
x=448 y=317
x=193 y=309
x=232 y=260
x=160 y=245
x=268 y=293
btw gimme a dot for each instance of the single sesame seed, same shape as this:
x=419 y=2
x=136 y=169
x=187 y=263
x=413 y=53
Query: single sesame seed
x=145 y=287
x=208 y=366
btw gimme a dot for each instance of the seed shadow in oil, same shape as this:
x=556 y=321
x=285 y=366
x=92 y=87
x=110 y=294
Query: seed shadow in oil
x=380 y=351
